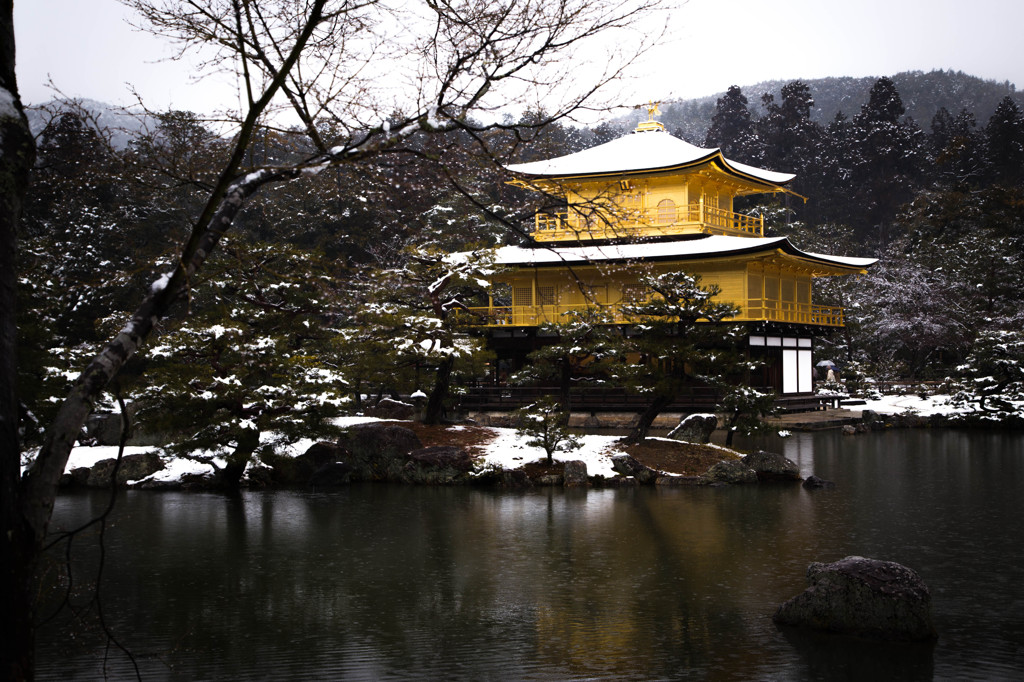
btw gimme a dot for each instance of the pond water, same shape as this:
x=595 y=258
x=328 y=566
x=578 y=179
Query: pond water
x=386 y=582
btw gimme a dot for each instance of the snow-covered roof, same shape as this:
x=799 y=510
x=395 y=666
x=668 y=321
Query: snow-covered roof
x=648 y=151
x=680 y=249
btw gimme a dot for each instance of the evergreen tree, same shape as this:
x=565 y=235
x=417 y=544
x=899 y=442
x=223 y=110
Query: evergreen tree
x=732 y=128
x=907 y=320
x=417 y=307
x=679 y=341
x=1004 y=138
x=792 y=143
x=585 y=341
x=832 y=195
x=786 y=131
x=745 y=408
x=952 y=275
x=96 y=218
x=887 y=159
x=545 y=424
x=977 y=238
x=73 y=161
x=993 y=374
x=956 y=149
x=254 y=367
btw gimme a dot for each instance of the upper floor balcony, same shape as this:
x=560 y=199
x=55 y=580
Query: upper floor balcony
x=576 y=224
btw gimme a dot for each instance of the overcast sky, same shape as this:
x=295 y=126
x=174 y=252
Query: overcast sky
x=89 y=50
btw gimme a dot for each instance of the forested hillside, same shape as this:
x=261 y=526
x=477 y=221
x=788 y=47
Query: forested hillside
x=331 y=286
x=922 y=94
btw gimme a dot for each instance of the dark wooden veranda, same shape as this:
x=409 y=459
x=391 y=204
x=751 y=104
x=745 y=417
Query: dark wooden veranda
x=606 y=399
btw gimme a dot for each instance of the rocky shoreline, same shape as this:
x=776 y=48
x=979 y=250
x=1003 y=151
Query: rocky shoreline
x=387 y=452
x=395 y=454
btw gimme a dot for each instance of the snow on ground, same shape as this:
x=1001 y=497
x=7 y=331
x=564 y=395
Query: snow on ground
x=82 y=456
x=349 y=421
x=509 y=451
x=176 y=468
x=898 y=404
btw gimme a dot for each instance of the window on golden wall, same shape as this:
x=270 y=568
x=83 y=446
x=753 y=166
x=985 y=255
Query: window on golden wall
x=522 y=296
x=633 y=293
x=788 y=291
x=755 y=286
x=803 y=293
x=545 y=295
x=666 y=211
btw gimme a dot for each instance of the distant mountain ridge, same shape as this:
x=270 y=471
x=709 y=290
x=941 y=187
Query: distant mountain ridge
x=922 y=94
x=122 y=125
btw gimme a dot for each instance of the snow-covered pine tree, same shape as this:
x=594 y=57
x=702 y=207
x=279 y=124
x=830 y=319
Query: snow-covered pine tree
x=545 y=424
x=956 y=150
x=681 y=341
x=584 y=342
x=1004 y=138
x=744 y=408
x=254 y=367
x=732 y=128
x=992 y=377
x=419 y=306
x=888 y=152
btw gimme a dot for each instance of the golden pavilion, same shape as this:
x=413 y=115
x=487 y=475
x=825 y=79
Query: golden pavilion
x=651 y=202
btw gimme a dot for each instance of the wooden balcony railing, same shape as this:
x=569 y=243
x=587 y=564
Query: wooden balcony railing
x=534 y=316
x=779 y=311
x=687 y=219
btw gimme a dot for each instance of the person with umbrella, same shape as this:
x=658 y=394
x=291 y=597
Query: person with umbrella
x=830 y=377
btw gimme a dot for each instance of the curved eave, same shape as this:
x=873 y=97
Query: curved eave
x=706 y=248
x=722 y=164
x=631 y=156
x=829 y=264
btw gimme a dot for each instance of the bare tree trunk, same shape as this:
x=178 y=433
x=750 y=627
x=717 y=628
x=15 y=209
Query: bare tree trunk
x=730 y=429
x=438 y=394
x=230 y=477
x=17 y=549
x=40 y=481
x=647 y=417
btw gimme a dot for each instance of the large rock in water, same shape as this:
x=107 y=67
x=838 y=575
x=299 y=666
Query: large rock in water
x=815 y=483
x=864 y=597
x=331 y=475
x=728 y=471
x=133 y=468
x=575 y=475
x=771 y=466
x=378 y=452
x=437 y=465
x=626 y=465
x=301 y=470
x=695 y=428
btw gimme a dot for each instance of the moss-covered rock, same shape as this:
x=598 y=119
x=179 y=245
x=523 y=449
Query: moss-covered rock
x=863 y=597
x=728 y=471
